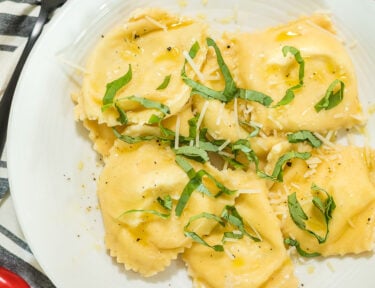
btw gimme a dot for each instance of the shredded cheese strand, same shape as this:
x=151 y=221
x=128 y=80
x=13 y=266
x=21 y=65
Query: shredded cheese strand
x=225 y=144
x=177 y=129
x=156 y=23
x=235 y=116
x=193 y=66
x=220 y=114
x=200 y=120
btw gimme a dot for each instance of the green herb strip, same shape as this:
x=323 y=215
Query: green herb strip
x=150 y=104
x=299 y=217
x=194 y=50
x=255 y=96
x=113 y=87
x=193 y=152
x=196 y=237
x=228 y=215
x=165 y=83
x=331 y=98
x=133 y=140
x=304 y=135
x=196 y=183
x=295 y=243
x=231 y=215
x=165 y=202
x=230 y=89
x=123 y=118
x=277 y=174
x=153 y=212
x=289 y=94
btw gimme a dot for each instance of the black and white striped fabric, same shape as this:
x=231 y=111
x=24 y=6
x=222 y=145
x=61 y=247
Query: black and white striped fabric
x=17 y=19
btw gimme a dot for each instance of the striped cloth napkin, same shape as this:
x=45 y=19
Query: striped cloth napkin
x=17 y=19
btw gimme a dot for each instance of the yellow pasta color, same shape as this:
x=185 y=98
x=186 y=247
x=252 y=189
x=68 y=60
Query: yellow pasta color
x=155 y=43
x=344 y=174
x=133 y=178
x=101 y=135
x=245 y=263
x=153 y=53
x=263 y=67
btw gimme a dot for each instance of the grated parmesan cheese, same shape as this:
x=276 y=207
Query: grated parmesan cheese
x=177 y=129
x=277 y=123
x=235 y=117
x=325 y=141
x=193 y=66
x=156 y=23
x=200 y=119
x=248 y=191
x=69 y=63
x=229 y=155
x=225 y=144
x=220 y=114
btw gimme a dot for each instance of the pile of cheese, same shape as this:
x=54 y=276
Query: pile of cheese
x=151 y=58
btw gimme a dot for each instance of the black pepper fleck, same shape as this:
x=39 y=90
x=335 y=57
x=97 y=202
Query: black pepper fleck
x=169 y=48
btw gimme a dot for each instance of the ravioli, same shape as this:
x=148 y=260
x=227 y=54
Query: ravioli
x=157 y=175
x=152 y=43
x=351 y=229
x=168 y=176
x=262 y=67
x=245 y=263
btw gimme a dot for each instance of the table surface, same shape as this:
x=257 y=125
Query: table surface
x=17 y=19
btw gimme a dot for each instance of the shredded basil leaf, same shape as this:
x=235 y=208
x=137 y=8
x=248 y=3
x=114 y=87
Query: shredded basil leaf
x=196 y=183
x=256 y=128
x=325 y=207
x=190 y=187
x=185 y=166
x=304 y=135
x=154 y=119
x=165 y=83
x=132 y=140
x=202 y=90
x=165 y=202
x=289 y=94
x=230 y=89
x=123 y=118
x=147 y=103
x=295 y=243
x=255 y=96
x=113 y=87
x=231 y=215
x=194 y=50
x=288 y=97
x=198 y=239
x=277 y=174
x=154 y=212
x=297 y=55
x=331 y=99
x=193 y=152
x=296 y=212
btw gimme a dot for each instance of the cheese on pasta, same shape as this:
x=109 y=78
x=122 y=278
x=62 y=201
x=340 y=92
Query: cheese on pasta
x=234 y=145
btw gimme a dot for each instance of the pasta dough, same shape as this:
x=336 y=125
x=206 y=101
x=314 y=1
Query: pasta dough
x=245 y=263
x=264 y=68
x=352 y=226
x=226 y=142
x=153 y=52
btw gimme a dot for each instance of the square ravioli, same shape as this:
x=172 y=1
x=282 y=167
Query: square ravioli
x=345 y=173
x=244 y=262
